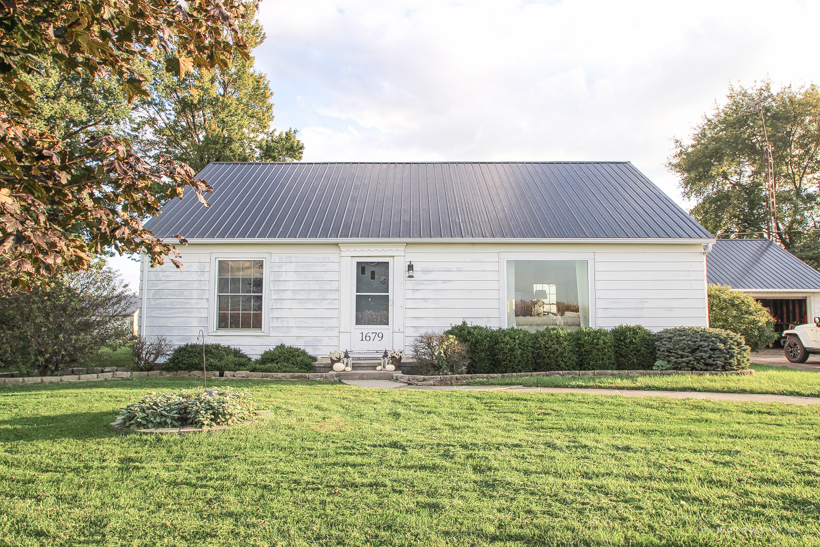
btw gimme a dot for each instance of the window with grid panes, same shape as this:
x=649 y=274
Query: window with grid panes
x=239 y=294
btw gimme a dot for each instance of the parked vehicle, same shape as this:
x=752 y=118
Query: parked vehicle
x=802 y=341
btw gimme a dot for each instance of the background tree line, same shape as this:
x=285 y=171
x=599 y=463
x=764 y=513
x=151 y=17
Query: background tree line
x=723 y=166
x=107 y=108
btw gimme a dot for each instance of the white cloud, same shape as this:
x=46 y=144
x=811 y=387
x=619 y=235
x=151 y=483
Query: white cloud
x=513 y=80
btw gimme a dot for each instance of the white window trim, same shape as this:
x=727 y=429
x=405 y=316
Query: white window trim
x=214 y=300
x=502 y=276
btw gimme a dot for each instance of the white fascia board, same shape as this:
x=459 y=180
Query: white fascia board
x=316 y=241
x=795 y=292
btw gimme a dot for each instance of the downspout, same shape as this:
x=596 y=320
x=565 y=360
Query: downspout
x=707 y=248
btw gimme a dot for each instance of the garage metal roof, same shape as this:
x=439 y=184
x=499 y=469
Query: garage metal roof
x=500 y=200
x=759 y=264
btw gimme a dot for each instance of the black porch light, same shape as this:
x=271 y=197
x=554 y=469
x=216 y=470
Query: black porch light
x=410 y=271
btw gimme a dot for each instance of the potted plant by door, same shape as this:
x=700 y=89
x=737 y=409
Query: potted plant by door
x=395 y=357
x=336 y=357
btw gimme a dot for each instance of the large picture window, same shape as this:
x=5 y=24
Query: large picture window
x=547 y=293
x=239 y=294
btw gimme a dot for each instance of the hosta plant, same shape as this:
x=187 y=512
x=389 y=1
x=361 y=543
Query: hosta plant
x=188 y=408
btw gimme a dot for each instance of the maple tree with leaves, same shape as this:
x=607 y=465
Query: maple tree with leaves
x=60 y=203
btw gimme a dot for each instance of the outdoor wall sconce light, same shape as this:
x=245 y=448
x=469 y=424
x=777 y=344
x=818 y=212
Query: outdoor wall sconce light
x=410 y=271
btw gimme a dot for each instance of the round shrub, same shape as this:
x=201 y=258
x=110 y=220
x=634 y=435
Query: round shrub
x=594 y=349
x=740 y=313
x=634 y=347
x=188 y=409
x=696 y=348
x=284 y=358
x=217 y=357
x=553 y=349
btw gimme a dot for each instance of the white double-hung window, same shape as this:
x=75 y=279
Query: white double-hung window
x=239 y=294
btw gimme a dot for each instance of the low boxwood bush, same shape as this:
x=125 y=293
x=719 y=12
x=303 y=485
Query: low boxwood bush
x=696 y=348
x=284 y=358
x=553 y=349
x=633 y=347
x=593 y=349
x=188 y=409
x=217 y=357
x=480 y=344
x=740 y=313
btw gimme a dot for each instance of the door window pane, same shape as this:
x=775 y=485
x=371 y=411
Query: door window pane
x=239 y=294
x=372 y=309
x=372 y=277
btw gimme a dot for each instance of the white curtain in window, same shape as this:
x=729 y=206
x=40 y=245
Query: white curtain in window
x=582 y=282
x=510 y=293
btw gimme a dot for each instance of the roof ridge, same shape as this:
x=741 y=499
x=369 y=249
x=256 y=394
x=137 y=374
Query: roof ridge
x=556 y=162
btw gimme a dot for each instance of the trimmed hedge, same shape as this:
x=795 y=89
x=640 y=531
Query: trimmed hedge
x=594 y=349
x=696 y=348
x=634 y=347
x=217 y=357
x=626 y=347
x=513 y=350
x=554 y=350
x=284 y=358
x=480 y=342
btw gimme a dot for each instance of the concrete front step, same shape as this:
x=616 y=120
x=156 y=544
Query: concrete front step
x=366 y=375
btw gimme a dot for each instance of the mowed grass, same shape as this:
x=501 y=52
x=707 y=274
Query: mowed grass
x=340 y=465
x=766 y=379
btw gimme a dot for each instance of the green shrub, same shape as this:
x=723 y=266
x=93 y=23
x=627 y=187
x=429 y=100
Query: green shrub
x=439 y=354
x=695 y=348
x=553 y=349
x=63 y=321
x=217 y=357
x=188 y=409
x=284 y=358
x=513 y=351
x=740 y=313
x=594 y=349
x=480 y=344
x=634 y=347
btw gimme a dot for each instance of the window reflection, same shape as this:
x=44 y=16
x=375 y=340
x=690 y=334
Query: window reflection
x=547 y=293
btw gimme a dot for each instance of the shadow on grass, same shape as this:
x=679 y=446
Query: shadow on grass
x=79 y=425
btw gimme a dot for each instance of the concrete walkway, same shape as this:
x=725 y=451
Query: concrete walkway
x=706 y=395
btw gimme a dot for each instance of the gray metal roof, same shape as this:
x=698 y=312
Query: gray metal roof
x=502 y=200
x=758 y=264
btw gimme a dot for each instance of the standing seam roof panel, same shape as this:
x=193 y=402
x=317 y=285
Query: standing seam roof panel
x=496 y=200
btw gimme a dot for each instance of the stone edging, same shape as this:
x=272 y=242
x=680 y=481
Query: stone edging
x=211 y=375
x=461 y=379
x=330 y=377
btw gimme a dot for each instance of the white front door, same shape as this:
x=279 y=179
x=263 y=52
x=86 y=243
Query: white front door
x=372 y=305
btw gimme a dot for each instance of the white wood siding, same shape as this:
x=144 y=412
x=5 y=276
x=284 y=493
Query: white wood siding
x=453 y=283
x=657 y=286
x=302 y=298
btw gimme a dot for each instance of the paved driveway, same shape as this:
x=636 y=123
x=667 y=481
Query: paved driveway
x=775 y=358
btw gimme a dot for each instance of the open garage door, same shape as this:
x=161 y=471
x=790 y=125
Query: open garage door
x=787 y=312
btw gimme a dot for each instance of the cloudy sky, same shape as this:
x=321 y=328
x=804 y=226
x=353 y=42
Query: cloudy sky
x=432 y=80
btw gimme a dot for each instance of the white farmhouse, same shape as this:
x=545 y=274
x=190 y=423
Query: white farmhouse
x=365 y=256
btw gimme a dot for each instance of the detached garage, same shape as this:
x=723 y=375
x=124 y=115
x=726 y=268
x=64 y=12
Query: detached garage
x=781 y=282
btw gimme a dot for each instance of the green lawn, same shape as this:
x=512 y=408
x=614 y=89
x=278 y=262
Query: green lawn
x=339 y=465
x=767 y=379
x=108 y=358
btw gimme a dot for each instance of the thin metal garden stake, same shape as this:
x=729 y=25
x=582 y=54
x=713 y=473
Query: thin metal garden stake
x=204 y=370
